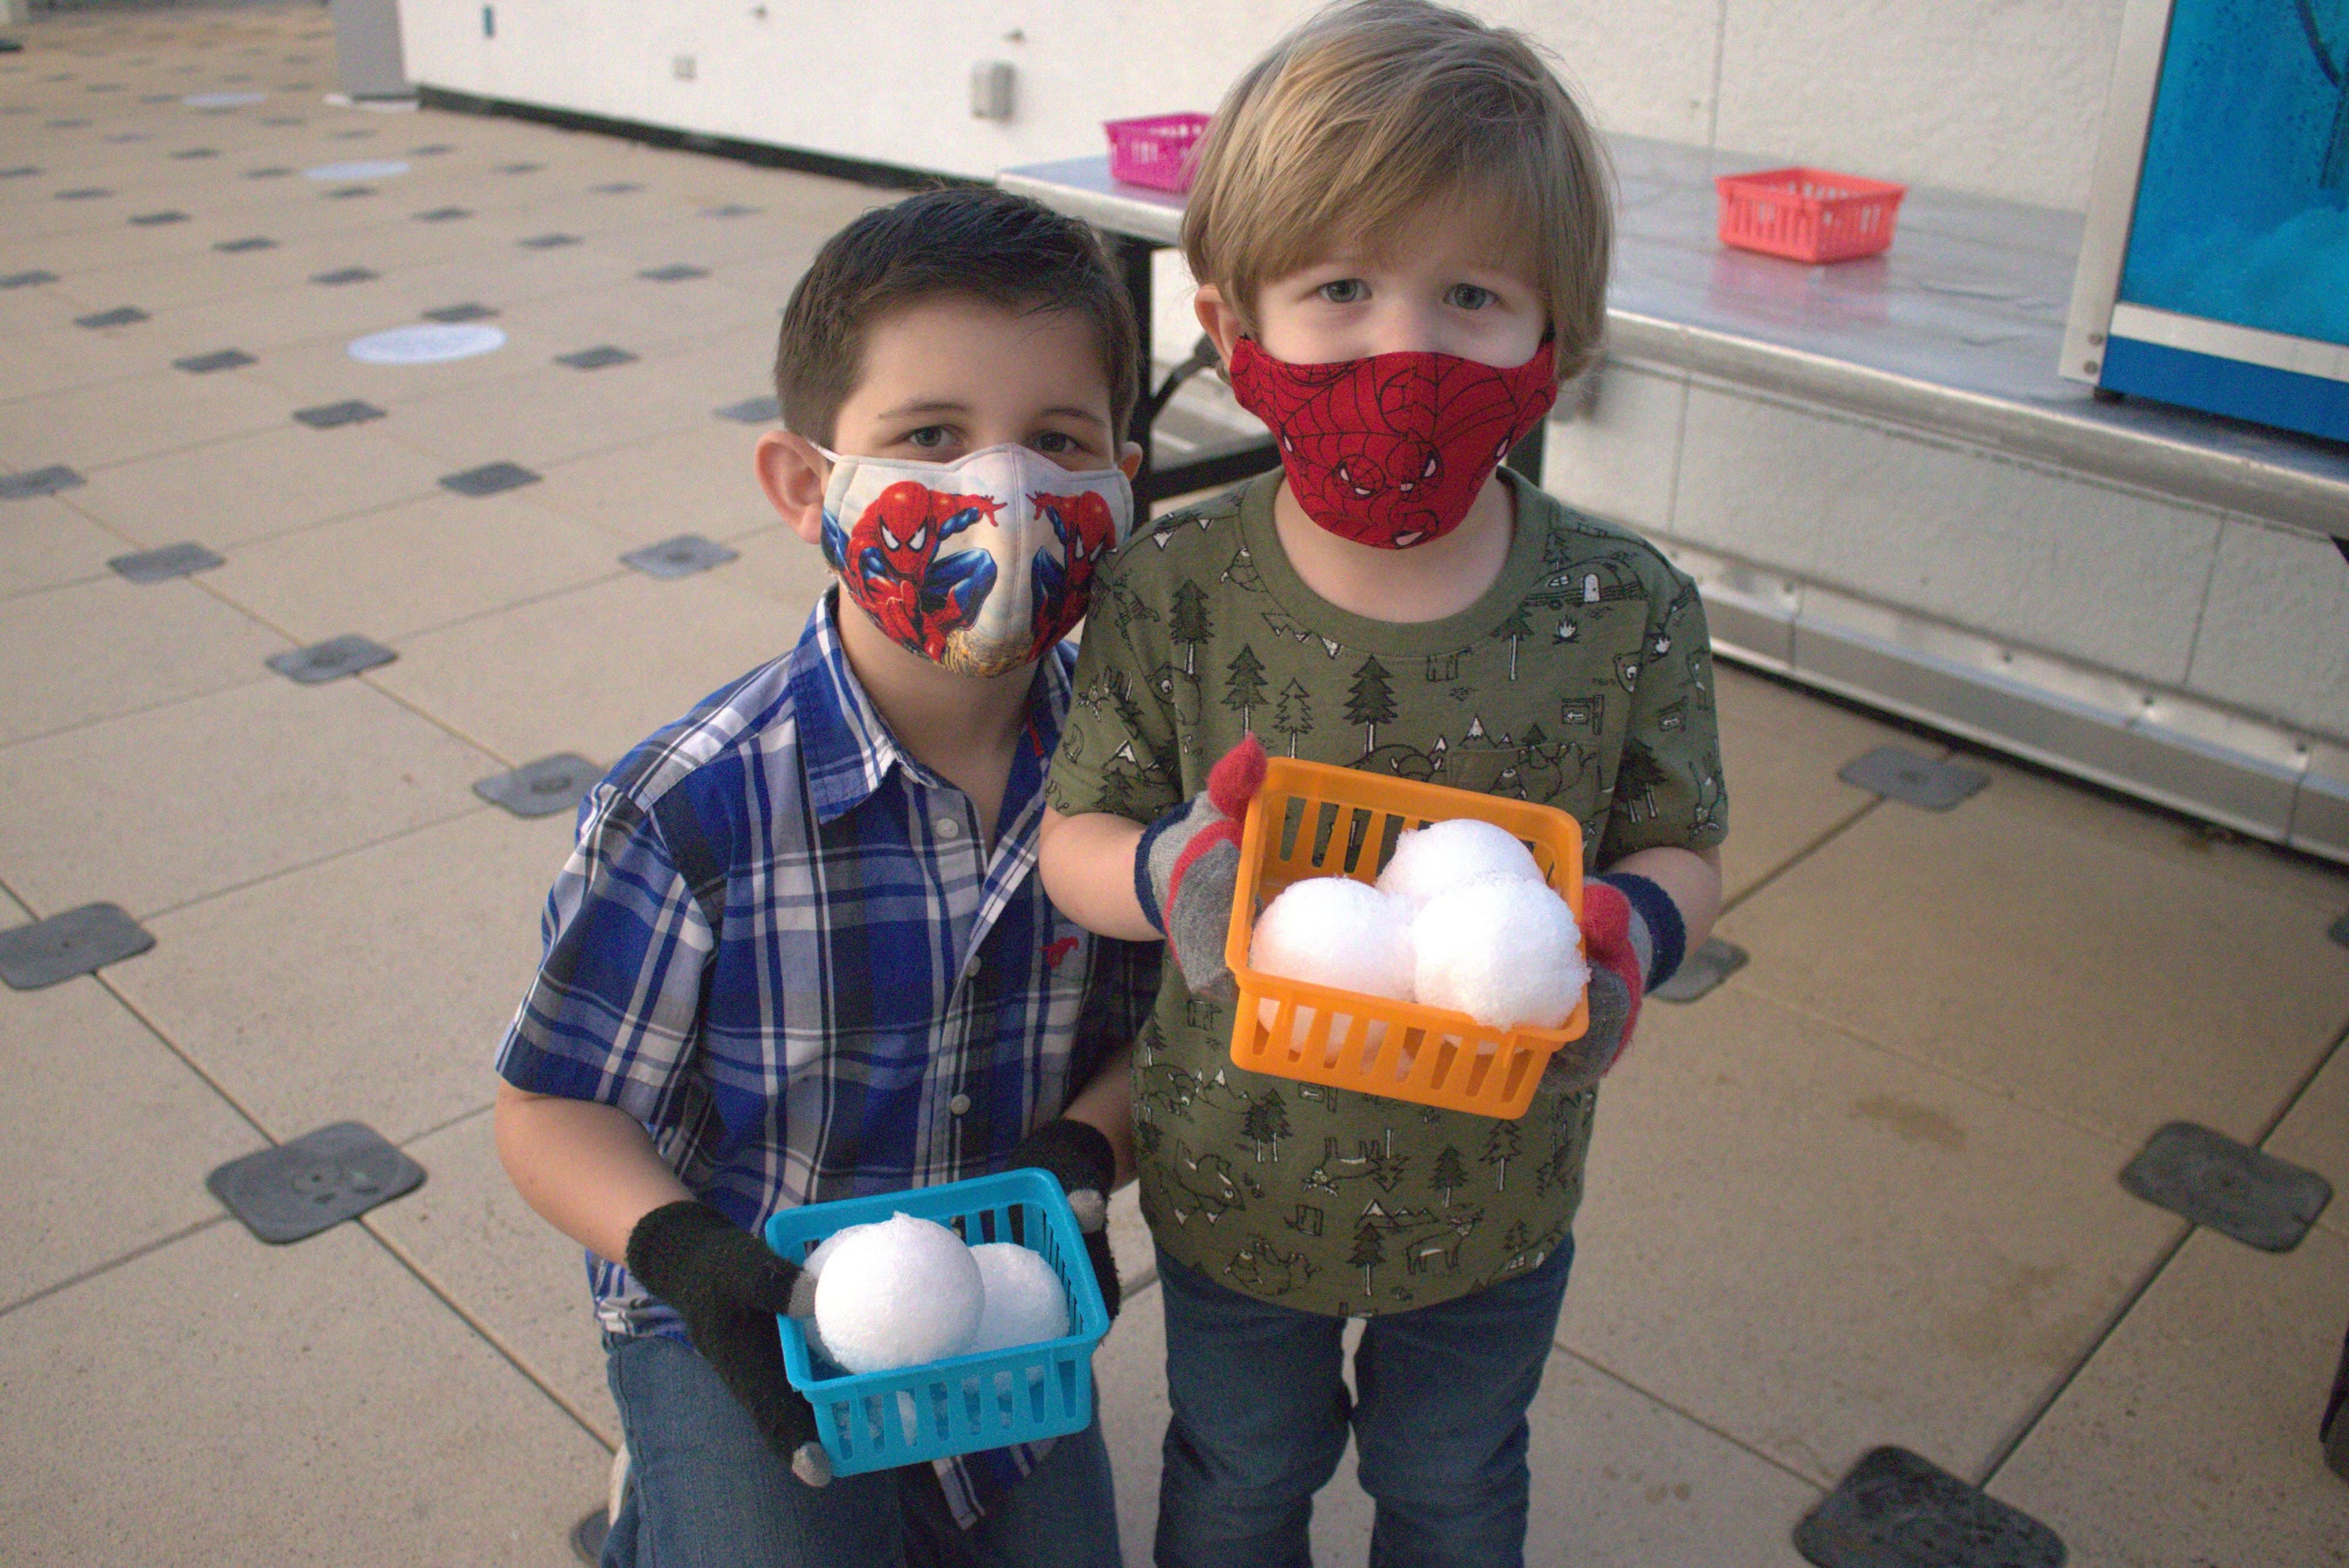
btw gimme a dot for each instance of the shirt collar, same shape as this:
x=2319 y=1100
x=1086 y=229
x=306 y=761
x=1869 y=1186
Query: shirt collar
x=847 y=746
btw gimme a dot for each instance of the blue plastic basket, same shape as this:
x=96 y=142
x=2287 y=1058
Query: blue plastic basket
x=874 y=1420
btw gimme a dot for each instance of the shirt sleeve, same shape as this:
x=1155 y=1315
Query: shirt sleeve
x=614 y=1012
x=1118 y=749
x=1668 y=787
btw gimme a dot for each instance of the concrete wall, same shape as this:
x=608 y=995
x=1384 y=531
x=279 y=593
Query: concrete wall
x=1998 y=96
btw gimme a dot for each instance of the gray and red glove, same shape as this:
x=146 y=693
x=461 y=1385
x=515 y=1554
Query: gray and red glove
x=1186 y=870
x=1632 y=934
x=1080 y=1157
x=730 y=1287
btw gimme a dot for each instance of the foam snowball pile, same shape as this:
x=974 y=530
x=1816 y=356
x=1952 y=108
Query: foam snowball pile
x=1461 y=918
x=904 y=1292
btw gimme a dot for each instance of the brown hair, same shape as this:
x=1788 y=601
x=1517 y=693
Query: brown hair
x=969 y=241
x=1372 y=111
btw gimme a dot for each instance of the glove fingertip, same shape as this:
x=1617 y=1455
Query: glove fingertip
x=811 y=1465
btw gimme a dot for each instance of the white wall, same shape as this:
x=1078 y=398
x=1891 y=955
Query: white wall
x=1998 y=96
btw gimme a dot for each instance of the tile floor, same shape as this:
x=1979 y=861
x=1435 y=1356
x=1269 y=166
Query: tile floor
x=1863 y=1193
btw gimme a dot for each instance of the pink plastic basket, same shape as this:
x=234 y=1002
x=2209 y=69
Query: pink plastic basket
x=1807 y=214
x=1155 y=151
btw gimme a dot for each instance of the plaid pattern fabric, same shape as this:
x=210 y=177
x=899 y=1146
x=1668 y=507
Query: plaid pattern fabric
x=781 y=945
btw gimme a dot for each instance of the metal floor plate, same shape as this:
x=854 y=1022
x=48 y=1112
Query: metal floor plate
x=756 y=411
x=2232 y=1188
x=76 y=942
x=541 y=788
x=219 y=359
x=162 y=566
x=250 y=242
x=547 y=242
x=120 y=316
x=1896 y=1510
x=1702 y=970
x=331 y=659
x=450 y=315
x=39 y=481
x=443 y=215
x=327 y=416
x=27 y=279
x=341 y=275
x=596 y=358
x=489 y=479
x=155 y=220
x=1920 y=782
x=2340 y=931
x=318 y=1180
x=676 y=272
x=679 y=558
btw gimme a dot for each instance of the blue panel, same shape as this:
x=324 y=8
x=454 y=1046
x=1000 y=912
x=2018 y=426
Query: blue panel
x=2281 y=398
x=2243 y=212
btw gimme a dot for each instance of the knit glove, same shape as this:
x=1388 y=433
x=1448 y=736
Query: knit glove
x=1080 y=1158
x=730 y=1287
x=1632 y=934
x=1186 y=870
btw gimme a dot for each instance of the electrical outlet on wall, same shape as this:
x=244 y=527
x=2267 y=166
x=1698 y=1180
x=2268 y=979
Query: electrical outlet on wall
x=489 y=21
x=990 y=89
x=682 y=68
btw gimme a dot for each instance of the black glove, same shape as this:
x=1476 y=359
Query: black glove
x=730 y=1287
x=1080 y=1157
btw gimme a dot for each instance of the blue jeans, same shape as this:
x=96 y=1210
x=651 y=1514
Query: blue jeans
x=705 y=1492
x=1260 y=1412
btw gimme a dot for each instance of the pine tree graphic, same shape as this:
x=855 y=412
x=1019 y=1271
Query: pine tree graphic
x=1244 y=684
x=1370 y=703
x=1190 y=625
x=1369 y=1253
x=1294 y=715
x=1449 y=1173
x=1513 y=629
x=1265 y=1124
x=1501 y=1146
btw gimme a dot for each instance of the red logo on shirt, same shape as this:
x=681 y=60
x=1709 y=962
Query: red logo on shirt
x=1055 y=951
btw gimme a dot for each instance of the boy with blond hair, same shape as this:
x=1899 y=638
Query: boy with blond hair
x=1401 y=231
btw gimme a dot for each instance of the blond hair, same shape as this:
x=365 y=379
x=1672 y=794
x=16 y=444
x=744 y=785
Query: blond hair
x=1371 y=111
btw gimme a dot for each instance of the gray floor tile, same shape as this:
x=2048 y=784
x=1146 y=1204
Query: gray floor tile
x=376 y=985
x=91 y=651
x=519 y=1278
x=219 y=790
x=338 y=1402
x=89 y=1181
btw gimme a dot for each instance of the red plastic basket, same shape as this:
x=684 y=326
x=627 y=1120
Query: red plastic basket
x=1155 y=151
x=1807 y=214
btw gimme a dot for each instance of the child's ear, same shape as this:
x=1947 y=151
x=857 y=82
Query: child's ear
x=1129 y=459
x=1219 y=319
x=793 y=473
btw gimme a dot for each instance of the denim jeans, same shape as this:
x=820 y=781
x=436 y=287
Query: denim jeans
x=705 y=1492
x=1260 y=1412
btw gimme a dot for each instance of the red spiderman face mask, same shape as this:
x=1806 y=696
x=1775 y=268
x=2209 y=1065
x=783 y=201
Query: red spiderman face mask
x=1390 y=451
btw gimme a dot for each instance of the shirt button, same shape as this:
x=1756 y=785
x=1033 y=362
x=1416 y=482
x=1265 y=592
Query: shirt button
x=947 y=827
x=959 y=1104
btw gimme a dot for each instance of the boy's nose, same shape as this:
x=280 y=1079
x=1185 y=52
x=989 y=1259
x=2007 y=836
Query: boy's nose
x=1411 y=327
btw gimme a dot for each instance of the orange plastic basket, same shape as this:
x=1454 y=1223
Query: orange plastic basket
x=1807 y=214
x=1314 y=820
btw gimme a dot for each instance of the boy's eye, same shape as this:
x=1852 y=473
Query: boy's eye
x=929 y=436
x=1468 y=296
x=1345 y=291
x=1055 y=441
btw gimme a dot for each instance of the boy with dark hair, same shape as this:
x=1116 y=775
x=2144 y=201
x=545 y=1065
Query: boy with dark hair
x=1401 y=229
x=799 y=953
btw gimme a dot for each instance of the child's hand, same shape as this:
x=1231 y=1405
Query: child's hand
x=730 y=1287
x=1186 y=869
x=1615 y=939
x=1080 y=1157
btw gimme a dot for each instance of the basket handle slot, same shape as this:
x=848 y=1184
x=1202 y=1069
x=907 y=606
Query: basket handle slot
x=1358 y=832
x=1391 y=833
x=1292 y=820
x=1325 y=824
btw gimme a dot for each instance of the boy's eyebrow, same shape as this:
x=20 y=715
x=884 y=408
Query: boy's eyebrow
x=948 y=405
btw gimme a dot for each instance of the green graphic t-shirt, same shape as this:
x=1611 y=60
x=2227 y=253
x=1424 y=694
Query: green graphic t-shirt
x=1583 y=678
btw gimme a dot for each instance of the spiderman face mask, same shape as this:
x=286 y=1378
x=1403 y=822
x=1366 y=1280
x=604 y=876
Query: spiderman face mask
x=1390 y=451
x=978 y=566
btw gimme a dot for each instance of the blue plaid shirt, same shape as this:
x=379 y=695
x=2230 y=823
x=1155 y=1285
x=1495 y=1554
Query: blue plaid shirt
x=781 y=944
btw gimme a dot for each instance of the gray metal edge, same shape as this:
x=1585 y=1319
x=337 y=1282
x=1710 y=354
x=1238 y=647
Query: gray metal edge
x=2112 y=189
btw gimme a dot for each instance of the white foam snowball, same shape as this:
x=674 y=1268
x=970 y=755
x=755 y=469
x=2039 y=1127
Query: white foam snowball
x=898 y=1293
x=1334 y=931
x=1506 y=953
x=824 y=1249
x=1025 y=1303
x=1446 y=854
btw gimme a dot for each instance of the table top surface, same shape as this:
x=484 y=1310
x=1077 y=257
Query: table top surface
x=1957 y=330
